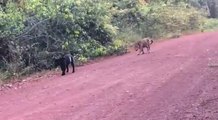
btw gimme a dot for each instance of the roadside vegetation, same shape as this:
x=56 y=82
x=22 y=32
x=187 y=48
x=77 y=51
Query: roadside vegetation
x=210 y=24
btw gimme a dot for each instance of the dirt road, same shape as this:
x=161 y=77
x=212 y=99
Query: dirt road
x=177 y=81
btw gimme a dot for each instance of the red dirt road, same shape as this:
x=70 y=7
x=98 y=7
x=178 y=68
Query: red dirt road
x=174 y=82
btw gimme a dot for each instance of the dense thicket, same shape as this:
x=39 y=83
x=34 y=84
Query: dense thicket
x=34 y=32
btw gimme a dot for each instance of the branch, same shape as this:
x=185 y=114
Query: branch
x=40 y=22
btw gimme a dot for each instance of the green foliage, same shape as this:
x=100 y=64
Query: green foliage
x=11 y=21
x=4 y=75
x=210 y=24
x=165 y=19
x=157 y=20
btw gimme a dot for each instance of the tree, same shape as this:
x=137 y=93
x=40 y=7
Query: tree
x=213 y=8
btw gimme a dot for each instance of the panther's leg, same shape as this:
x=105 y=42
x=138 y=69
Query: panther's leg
x=67 y=67
x=72 y=64
x=142 y=50
x=63 y=68
x=148 y=49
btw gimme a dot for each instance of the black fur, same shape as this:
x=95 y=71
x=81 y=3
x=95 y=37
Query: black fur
x=64 y=62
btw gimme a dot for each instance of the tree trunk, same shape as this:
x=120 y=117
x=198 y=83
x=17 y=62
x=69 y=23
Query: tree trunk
x=213 y=8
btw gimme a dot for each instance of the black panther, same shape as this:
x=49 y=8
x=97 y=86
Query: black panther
x=64 y=62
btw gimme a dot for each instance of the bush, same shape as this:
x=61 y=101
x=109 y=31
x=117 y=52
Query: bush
x=210 y=24
x=169 y=19
x=157 y=20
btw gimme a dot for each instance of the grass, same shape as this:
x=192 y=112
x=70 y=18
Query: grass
x=210 y=25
